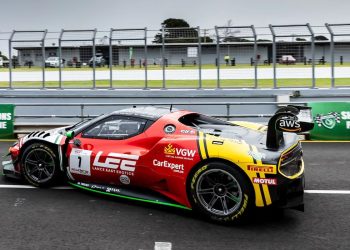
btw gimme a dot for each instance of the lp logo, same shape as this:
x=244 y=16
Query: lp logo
x=115 y=160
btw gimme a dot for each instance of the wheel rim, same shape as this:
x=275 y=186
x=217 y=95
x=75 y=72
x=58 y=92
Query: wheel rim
x=39 y=165
x=219 y=192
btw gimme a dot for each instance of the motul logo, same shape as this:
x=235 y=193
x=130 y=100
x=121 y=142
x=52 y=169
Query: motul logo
x=115 y=160
x=266 y=181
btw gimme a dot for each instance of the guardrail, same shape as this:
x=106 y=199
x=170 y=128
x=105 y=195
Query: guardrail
x=22 y=127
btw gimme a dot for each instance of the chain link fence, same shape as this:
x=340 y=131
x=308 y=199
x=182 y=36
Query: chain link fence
x=277 y=56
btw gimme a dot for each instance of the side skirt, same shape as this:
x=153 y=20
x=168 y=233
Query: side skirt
x=128 y=194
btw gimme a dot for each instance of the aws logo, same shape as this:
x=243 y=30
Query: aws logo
x=289 y=124
x=170 y=150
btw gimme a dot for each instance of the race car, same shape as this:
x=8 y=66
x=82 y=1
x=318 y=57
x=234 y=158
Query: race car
x=179 y=158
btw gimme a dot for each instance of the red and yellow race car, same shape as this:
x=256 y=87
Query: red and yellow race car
x=173 y=157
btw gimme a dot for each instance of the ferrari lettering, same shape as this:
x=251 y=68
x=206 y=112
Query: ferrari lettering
x=266 y=181
x=115 y=160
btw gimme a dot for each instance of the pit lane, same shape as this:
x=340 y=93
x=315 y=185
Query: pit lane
x=72 y=219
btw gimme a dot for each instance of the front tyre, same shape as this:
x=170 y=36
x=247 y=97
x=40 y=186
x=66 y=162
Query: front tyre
x=220 y=193
x=40 y=165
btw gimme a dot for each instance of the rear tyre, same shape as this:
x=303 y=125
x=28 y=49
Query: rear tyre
x=40 y=165
x=220 y=193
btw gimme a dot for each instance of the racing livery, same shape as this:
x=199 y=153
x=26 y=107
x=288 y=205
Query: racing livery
x=173 y=157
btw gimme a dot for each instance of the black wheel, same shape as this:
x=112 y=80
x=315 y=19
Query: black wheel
x=220 y=193
x=40 y=165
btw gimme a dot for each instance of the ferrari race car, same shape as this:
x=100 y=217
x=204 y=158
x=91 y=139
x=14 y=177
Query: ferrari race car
x=173 y=157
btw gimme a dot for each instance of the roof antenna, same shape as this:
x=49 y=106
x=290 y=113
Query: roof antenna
x=171 y=107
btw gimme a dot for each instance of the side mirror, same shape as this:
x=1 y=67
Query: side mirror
x=70 y=134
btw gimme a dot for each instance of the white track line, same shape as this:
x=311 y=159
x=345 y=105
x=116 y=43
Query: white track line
x=69 y=188
x=327 y=191
x=162 y=245
x=31 y=187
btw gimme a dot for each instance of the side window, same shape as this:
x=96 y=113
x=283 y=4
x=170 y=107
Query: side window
x=115 y=127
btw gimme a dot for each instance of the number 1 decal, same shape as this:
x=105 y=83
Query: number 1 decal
x=79 y=158
x=79 y=162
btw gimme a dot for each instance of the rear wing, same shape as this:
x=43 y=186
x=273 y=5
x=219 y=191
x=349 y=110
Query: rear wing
x=292 y=119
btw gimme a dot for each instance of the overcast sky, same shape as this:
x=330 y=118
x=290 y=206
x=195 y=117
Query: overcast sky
x=105 y=14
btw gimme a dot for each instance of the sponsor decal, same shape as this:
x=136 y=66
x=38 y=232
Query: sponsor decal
x=265 y=181
x=257 y=155
x=116 y=163
x=169 y=129
x=289 y=124
x=124 y=179
x=187 y=131
x=179 y=153
x=177 y=168
x=262 y=169
x=169 y=150
x=331 y=119
x=112 y=190
x=79 y=162
x=100 y=187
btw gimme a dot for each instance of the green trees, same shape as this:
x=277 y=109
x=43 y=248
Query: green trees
x=3 y=57
x=181 y=34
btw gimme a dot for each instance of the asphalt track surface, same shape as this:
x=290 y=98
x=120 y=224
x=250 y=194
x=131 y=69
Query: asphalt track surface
x=179 y=74
x=72 y=219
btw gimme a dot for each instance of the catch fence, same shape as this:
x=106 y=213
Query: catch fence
x=277 y=56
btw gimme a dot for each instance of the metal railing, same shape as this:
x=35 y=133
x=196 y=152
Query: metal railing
x=277 y=56
x=226 y=112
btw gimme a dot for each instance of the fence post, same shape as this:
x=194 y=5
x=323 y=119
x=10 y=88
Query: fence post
x=94 y=58
x=60 y=59
x=255 y=58
x=82 y=111
x=332 y=54
x=146 y=60
x=10 y=59
x=43 y=57
x=227 y=111
x=217 y=57
x=163 y=57
x=273 y=56
x=312 y=54
x=110 y=60
x=199 y=58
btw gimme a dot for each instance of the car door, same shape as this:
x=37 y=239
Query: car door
x=108 y=151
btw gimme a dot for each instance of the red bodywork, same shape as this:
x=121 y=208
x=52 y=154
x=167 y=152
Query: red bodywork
x=165 y=159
